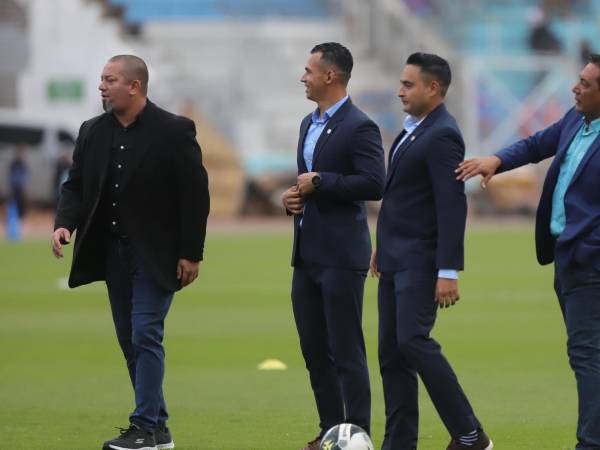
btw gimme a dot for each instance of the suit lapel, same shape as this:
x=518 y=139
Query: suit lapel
x=391 y=158
x=300 y=153
x=562 y=151
x=329 y=129
x=393 y=147
x=406 y=144
x=554 y=168
x=100 y=140
x=414 y=137
x=325 y=135
x=586 y=158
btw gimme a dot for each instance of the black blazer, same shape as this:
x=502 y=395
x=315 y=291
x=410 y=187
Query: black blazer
x=423 y=214
x=350 y=159
x=164 y=201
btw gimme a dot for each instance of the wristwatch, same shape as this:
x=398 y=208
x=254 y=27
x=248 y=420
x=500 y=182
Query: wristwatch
x=317 y=180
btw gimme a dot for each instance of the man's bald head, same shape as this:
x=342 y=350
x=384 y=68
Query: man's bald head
x=134 y=68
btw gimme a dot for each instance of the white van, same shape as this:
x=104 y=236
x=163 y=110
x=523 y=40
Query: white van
x=45 y=140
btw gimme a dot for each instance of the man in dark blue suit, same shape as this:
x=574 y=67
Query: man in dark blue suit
x=420 y=233
x=568 y=231
x=340 y=165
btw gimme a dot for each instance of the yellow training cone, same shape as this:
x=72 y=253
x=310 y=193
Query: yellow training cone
x=272 y=364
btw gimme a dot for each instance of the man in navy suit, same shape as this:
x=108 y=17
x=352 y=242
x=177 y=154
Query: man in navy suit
x=420 y=234
x=340 y=165
x=567 y=230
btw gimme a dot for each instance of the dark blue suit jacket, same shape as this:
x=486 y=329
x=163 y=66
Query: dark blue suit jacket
x=580 y=241
x=350 y=159
x=422 y=219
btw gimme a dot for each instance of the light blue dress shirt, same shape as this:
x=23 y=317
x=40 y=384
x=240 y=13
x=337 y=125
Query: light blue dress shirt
x=582 y=141
x=410 y=125
x=316 y=128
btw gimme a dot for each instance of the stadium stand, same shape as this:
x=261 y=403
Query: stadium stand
x=502 y=26
x=239 y=63
x=145 y=10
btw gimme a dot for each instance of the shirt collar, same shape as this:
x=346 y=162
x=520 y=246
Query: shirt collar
x=593 y=127
x=410 y=123
x=329 y=113
x=139 y=118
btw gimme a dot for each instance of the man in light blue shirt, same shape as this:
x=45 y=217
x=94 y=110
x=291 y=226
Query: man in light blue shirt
x=568 y=231
x=317 y=125
x=585 y=137
x=340 y=166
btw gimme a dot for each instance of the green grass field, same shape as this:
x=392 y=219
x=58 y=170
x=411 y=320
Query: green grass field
x=63 y=383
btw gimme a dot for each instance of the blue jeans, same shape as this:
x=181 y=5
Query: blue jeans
x=578 y=291
x=139 y=307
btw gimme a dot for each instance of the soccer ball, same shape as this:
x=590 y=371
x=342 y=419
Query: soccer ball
x=346 y=436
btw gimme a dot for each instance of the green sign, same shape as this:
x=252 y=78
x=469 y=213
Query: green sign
x=64 y=90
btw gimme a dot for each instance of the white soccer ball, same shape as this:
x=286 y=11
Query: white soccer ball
x=346 y=436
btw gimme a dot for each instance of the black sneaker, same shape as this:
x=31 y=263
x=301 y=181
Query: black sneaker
x=163 y=438
x=483 y=442
x=132 y=438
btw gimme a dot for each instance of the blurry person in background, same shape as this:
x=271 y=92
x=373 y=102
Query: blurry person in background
x=61 y=173
x=585 y=51
x=542 y=39
x=18 y=177
x=137 y=194
x=567 y=230
x=340 y=165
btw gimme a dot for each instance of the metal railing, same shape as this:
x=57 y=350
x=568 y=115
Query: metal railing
x=496 y=99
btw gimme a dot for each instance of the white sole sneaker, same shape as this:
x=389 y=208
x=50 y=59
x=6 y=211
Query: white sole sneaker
x=115 y=447
x=165 y=446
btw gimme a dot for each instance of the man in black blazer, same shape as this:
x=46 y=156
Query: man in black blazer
x=137 y=194
x=420 y=234
x=340 y=165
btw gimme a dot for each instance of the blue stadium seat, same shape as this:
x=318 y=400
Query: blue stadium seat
x=139 y=11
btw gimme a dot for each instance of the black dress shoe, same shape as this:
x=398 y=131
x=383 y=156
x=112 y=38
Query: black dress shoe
x=483 y=442
x=314 y=444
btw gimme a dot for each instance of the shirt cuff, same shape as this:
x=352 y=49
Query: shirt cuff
x=450 y=274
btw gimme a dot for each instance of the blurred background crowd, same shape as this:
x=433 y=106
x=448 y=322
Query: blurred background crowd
x=233 y=66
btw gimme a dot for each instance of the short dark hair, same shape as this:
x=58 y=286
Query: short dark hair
x=336 y=55
x=594 y=58
x=134 y=68
x=435 y=67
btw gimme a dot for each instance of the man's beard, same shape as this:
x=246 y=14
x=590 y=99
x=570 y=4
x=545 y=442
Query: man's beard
x=107 y=106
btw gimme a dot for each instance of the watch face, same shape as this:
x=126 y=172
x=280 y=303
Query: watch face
x=316 y=180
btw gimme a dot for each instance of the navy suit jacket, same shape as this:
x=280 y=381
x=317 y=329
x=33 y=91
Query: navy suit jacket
x=580 y=241
x=350 y=159
x=422 y=218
